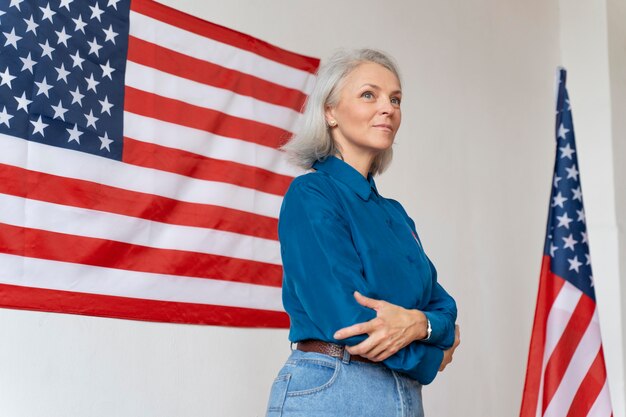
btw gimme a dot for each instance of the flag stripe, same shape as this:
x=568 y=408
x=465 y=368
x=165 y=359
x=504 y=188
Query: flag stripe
x=64 y=276
x=195 y=94
x=108 y=226
x=208 y=31
x=577 y=368
x=15 y=296
x=602 y=406
x=549 y=288
x=78 y=193
x=208 y=120
x=35 y=243
x=80 y=165
x=172 y=62
x=560 y=358
x=196 y=166
x=589 y=389
x=202 y=143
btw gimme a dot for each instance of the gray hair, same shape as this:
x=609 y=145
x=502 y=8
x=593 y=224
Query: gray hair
x=313 y=141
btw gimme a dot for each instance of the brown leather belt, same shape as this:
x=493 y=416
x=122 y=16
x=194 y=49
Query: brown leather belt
x=330 y=349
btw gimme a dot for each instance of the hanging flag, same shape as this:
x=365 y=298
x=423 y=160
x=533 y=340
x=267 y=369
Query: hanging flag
x=139 y=170
x=566 y=375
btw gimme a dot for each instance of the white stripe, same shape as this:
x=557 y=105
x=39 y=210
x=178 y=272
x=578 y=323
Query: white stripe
x=583 y=357
x=102 y=225
x=72 y=164
x=557 y=320
x=602 y=406
x=54 y=275
x=226 y=101
x=206 y=49
x=162 y=133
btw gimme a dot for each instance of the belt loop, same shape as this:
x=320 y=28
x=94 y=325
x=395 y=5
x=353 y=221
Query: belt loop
x=291 y=346
x=346 y=356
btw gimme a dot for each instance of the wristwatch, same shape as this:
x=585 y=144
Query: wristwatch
x=429 y=330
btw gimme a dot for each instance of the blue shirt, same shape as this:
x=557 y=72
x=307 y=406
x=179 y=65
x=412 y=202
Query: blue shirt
x=338 y=235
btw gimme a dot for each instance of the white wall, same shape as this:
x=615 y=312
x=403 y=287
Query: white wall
x=473 y=167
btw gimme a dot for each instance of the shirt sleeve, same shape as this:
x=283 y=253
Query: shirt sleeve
x=441 y=309
x=323 y=269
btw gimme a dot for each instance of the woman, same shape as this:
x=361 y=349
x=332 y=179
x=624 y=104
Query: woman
x=370 y=321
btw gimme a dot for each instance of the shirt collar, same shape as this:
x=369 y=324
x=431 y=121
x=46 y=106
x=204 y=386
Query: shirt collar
x=345 y=173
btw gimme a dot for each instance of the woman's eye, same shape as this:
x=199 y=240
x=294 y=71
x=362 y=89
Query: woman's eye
x=395 y=100
x=367 y=94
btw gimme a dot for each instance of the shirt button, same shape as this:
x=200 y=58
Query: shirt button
x=388 y=221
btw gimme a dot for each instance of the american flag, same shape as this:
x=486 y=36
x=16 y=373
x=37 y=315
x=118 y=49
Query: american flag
x=566 y=375
x=139 y=170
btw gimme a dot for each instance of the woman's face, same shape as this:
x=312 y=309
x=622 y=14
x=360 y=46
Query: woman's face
x=367 y=114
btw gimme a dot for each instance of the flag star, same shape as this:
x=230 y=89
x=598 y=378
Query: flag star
x=59 y=111
x=588 y=259
x=574 y=264
x=6 y=78
x=43 y=87
x=80 y=24
x=113 y=3
x=5 y=117
x=107 y=70
x=16 y=3
x=91 y=119
x=106 y=106
x=31 y=26
x=564 y=221
x=105 y=142
x=47 y=13
x=96 y=12
x=12 y=38
x=74 y=134
x=590 y=280
x=581 y=215
x=556 y=180
x=38 y=126
x=553 y=249
x=569 y=106
x=569 y=242
x=77 y=97
x=63 y=36
x=47 y=49
x=566 y=151
x=110 y=34
x=562 y=131
x=578 y=194
x=558 y=200
x=63 y=73
x=91 y=83
x=94 y=48
x=572 y=173
x=584 y=235
x=28 y=64
x=66 y=4
x=77 y=60
x=22 y=102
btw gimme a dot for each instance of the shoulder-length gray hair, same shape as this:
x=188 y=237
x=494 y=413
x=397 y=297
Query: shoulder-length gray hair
x=313 y=140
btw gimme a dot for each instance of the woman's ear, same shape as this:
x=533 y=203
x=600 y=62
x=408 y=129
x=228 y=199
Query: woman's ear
x=329 y=114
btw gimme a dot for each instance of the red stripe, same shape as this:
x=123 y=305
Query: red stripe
x=90 y=195
x=172 y=62
x=197 y=166
x=549 y=287
x=221 y=34
x=29 y=298
x=566 y=347
x=196 y=117
x=590 y=388
x=35 y=243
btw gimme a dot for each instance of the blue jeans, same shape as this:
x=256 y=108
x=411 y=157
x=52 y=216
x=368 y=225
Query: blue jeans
x=316 y=385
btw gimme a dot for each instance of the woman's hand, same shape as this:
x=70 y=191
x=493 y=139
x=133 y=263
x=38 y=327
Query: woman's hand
x=447 y=354
x=393 y=328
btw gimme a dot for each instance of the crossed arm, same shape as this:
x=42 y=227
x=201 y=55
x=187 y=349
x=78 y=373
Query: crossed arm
x=392 y=329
